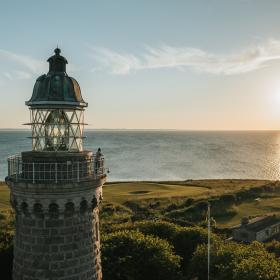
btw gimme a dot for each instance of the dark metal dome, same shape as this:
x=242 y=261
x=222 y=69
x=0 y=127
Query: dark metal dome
x=56 y=89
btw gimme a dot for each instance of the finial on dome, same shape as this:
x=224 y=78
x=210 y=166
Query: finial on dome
x=57 y=62
x=57 y=51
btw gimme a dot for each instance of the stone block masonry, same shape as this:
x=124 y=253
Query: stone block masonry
x=57 y=236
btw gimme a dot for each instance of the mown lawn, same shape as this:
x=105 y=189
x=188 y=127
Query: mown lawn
x=253 y=208
x=124 y=191
x=4 y=196
x=169 y=192
x=121 y=192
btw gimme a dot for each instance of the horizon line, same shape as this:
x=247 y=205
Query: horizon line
x=158 y=129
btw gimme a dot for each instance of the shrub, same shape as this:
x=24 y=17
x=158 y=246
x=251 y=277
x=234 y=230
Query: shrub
x=6 y=244
x=228 y=199
x=186 y=241
x=273 y=247
x=171 y=207
x=188 y=202
x=130 y=255
x=161 y=229
x=233 y=261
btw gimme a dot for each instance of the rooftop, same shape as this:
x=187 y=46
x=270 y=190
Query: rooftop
x=56 y=88
x=259 y=223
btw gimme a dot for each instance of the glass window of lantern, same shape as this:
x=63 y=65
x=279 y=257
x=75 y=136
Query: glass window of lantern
x=57 y=129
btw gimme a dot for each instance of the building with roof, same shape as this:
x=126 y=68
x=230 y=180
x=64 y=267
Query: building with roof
x=258 y=229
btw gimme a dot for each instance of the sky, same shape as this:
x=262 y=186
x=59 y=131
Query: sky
x=149 y=64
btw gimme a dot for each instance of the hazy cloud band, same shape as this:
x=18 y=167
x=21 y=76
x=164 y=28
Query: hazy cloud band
x=199 y=60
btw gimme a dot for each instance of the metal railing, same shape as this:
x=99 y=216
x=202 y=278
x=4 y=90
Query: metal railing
x=69 y=171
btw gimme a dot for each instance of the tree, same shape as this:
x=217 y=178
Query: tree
x=233 y=261
x=186 y=240
x=161 y=229
x=273 y=247
x=130 y=255
x=6 y=244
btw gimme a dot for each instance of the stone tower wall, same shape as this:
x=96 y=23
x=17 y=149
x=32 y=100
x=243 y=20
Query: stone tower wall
x=57 y=235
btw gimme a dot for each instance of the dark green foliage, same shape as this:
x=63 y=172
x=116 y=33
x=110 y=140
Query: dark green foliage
x=113 y=213
x=223 y=211
x=6 y=262
x=171 y=207
x=233 y=261
x=130 y=255
x=113 y=208
x=188 y=202
x=201 y=205
x=6 y=244
x=257 y=190
x=140 y=212
x=273 y=247
x=6 y=230
x=186 y=241
x=245 y=195
x=228 y=199
x=161 y=229
x=180 y=222
x=192 y=213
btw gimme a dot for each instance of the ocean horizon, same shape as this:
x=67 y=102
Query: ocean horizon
x=152 y=155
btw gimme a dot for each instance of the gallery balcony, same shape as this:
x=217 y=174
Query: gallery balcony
x=55 y=168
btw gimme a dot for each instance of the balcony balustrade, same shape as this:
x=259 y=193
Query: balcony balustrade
x=55 y=172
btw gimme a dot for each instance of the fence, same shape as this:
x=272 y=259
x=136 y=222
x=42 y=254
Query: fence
x=72 y=171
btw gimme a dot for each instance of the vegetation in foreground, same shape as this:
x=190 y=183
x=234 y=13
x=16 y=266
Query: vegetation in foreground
x=157 y=230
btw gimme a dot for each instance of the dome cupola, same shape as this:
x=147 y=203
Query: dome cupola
x=57 y=62
x=56 y=89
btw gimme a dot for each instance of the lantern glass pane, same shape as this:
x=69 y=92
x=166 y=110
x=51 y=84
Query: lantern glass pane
x=57 y=129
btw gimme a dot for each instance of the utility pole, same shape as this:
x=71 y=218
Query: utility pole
x=209 y=240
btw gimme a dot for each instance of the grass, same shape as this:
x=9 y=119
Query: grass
x=253 y=208
x=4 y=196
x=198 y=189
x=145 y=193
x=121 y=192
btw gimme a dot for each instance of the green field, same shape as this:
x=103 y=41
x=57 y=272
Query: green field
x=265 y=206
x=123 y=191
x=145 y=193
x=4 y=196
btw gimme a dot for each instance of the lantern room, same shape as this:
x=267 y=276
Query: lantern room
x=57 y=110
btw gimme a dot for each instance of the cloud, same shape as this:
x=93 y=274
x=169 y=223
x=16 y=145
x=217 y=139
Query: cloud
x=250 y=59
x=14 y=66
x=33 y=65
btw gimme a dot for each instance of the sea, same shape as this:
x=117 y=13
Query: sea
x=171 y=155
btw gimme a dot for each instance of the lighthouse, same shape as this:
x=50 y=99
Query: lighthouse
x=56 y=187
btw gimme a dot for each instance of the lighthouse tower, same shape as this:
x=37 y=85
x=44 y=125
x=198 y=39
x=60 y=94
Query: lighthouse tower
x=57 y=186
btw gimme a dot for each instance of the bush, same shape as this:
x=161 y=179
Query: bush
x=192 y=213
x=130 y=255
x=246 y=195
x=233 y=261
x=228 y=199
x=188 y=202
x=111 y=208
x=186 y=241
x=171 y=207
x=161 y=229
x=6 y=244
x=273 y=247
